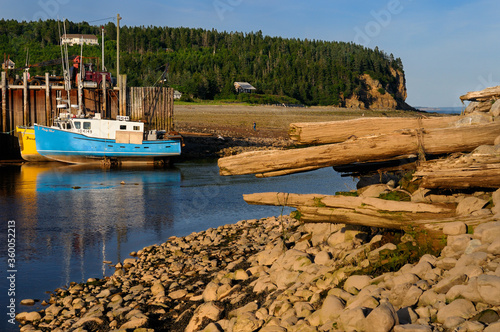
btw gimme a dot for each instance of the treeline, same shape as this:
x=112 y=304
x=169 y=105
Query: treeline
x=206 y=63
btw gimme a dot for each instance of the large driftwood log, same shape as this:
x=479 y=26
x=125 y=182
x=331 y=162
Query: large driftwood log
x=463 y=173
x=339 y=131
x=483 y=95
x=365 y=149
x=371 y=212
x=339 y=201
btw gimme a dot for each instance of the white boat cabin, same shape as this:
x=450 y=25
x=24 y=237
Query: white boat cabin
x=121 y=129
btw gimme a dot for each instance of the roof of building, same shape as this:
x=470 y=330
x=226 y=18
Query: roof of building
x=76 y=35
x=244 y=85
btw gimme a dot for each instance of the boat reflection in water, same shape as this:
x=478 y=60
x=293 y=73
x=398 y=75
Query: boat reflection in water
x=71 y=218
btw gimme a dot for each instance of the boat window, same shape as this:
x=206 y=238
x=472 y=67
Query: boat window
x=123 y=127
x=137 y=128
x=59 y=125
x=77 y=124
x=68 y=125
x=86 y=125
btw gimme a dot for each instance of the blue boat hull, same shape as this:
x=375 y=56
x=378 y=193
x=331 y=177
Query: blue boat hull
x=76 y=148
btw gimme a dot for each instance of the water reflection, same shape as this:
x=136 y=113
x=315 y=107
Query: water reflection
x=69 y=219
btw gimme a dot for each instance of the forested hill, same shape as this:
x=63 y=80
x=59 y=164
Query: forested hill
x=206 y=63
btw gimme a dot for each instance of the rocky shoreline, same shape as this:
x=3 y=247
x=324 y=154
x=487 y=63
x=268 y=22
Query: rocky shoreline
x=216 y=146
x=278 y=274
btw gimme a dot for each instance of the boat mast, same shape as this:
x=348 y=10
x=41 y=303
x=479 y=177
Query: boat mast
x=80 y=80
x=65 y=64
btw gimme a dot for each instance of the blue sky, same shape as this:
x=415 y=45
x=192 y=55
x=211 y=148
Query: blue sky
x=447 y=47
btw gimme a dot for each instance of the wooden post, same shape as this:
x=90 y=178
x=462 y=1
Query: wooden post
x=123 y=95
x=170 y=110
x=47 y=100
x=80 y=94
x=4 y=102
x=25 y=98
x=104 y=94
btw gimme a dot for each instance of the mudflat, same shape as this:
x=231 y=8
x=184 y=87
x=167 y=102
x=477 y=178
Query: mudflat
x=270 y=121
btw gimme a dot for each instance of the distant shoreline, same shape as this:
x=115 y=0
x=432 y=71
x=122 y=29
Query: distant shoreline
x=443 y=110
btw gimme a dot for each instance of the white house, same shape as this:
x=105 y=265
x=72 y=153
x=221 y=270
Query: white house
x=77 y=39
x=177 y=94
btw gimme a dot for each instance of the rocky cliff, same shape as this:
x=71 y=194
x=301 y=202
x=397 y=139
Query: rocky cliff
x=376 y=95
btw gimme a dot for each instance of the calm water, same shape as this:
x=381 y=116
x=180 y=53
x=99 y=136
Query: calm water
x=69 y=219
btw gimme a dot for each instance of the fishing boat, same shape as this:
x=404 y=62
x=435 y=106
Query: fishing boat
x=80 y=140
x=27 y=144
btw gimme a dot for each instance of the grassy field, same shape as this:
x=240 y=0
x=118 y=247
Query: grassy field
x=271 y=121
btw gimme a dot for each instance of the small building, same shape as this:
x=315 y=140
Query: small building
x=78 y=39
x=177 y=94
x=8 y=64
x=244 y=87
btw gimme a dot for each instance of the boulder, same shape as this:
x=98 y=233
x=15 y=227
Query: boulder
x=495 y=108
x=210 y=292
x=323 y=258
x=157 y=289
x=455 y=228
x=491 y=235
x=245 y=322
x=488 y=287
x=469 y=205
x=206 y=311
x=32 y=316
x=478 y=106
x=381 y=319
x=412 y=328
x=495 y=327
x=331 y=309
x=352 y=320
x=459 y=308
x=447 y=283
x=355 y=283
x=321 y=231
x=28 y=302
x=268 y=257
x=88 y=321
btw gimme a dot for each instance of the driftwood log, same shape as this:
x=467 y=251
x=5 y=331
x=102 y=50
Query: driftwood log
x=340 y=131
x=361 y=211
x=483 y=95
x=365 y=149
x=460 y=173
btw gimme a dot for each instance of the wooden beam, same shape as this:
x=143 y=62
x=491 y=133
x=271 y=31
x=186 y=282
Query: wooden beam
x=339 y=201
x=476 y=172
x=361 y=211
x=365 y=149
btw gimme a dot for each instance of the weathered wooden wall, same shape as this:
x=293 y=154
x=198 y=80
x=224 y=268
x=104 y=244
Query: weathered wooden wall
x=24 y=105
x=151 y=104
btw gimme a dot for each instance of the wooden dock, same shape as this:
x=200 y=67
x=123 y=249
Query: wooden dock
x=24 y=105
